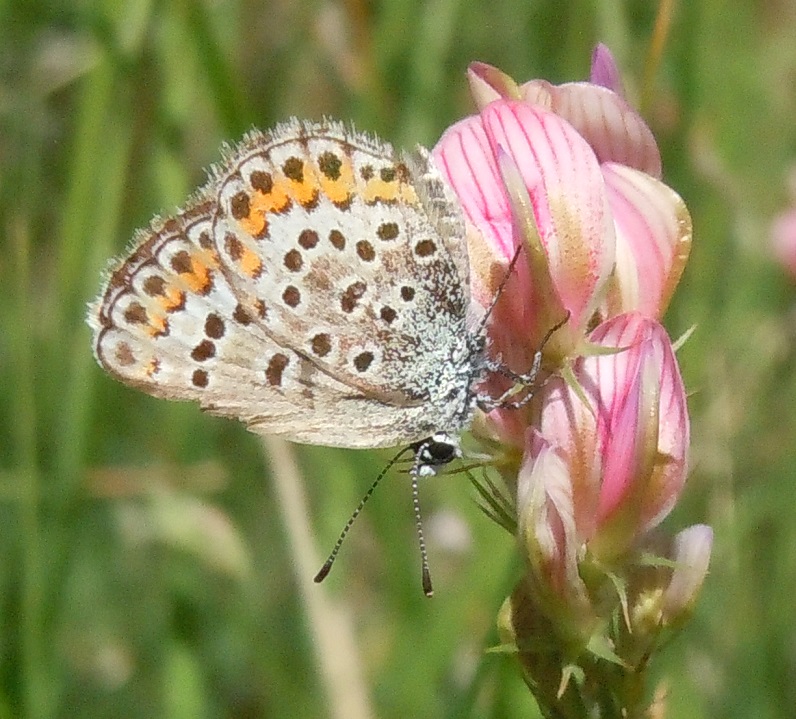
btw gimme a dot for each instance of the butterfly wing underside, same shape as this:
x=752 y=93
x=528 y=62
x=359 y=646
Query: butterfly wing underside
x=316 y=289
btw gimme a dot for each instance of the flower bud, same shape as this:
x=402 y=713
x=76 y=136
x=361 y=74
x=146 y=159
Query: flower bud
x=610 y=454
x=691 y=556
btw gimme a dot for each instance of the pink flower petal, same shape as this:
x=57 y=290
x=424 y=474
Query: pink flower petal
x=653 y=236
x=567 y=192
x=671 y=467
x=465 y=159
x=570 y=425
x=487 y=84
x=783 y=241
x=615 y=131
x=538 y=92
x=625 y=440
x=604 y=70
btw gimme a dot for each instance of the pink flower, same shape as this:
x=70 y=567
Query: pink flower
x=783 y=241
x=577 y=165
x=602 y=469
x=566 y=181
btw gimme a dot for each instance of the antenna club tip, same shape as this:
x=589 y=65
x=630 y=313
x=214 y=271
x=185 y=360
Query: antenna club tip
x=323 y=573
x=428 y=590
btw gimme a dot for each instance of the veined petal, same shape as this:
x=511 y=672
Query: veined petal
x=546 y=521
x=541 y=292
x=615 y=131
x=631 y=449
x=568 y=197
x=571 y=426
x=671 y=466
x=538 y=92
x=649 y=357
x=465 y=158
x=629 y=434
x=653 y=241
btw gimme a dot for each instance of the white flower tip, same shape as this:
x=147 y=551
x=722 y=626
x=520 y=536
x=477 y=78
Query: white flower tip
x=488 y=84
x=691 y=554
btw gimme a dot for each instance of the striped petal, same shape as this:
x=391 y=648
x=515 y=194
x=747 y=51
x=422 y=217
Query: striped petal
x=653 y=241
x=563 y=181
x=615 y=131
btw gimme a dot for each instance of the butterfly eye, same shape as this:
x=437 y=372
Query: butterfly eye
x=438 y=454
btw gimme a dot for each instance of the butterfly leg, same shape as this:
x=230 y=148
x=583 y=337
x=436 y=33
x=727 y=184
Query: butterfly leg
x=527 y=379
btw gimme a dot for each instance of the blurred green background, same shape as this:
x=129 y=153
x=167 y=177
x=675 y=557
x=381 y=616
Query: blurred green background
x=145 y=565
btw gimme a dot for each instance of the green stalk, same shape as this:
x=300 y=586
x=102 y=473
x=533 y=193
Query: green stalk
x=34 y=673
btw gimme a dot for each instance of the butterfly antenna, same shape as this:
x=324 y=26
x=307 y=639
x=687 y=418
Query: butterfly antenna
x=428 y=590
x=499 y=290
x=327 y=565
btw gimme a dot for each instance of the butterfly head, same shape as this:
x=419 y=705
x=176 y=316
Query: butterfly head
x=433 y=453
